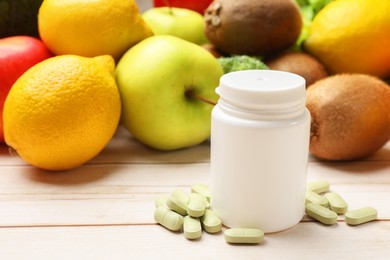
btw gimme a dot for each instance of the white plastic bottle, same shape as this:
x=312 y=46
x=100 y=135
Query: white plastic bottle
x=260 y=134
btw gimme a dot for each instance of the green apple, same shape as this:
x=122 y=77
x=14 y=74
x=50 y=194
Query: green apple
x=183 y=23
x=167 y=87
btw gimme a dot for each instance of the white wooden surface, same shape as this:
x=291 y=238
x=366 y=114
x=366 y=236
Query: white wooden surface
x=104 y=209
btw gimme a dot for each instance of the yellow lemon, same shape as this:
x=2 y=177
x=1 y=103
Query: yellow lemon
x=352 y=36
x=91 y=27
x=63 y=111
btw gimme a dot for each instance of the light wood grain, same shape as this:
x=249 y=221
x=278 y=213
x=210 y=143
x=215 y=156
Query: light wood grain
x=123 y=149
x=104 y=209
x=304 y=241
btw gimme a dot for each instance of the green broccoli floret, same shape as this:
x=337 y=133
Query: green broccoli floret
x=241 y=62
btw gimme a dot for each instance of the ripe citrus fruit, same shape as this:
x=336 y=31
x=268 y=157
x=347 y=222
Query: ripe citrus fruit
x=63 y=111
x=17 y=54
x=91 y=27
x=352 y=36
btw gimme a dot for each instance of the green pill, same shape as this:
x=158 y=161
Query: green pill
x=178 y=202
x=192 y=227
x=320 y=186
x=320 y=213
x=211 y=223
x=196 y=205
x=336 y=203
x=202 y=189
x=360 y=216
x=316 y=198
x=161 y=201
x=208 y=205
x=168 y=218
x=244 y=235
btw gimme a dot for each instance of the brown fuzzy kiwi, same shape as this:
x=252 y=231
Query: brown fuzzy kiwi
x=350 y=116
x=299 y=63
x=249 y=27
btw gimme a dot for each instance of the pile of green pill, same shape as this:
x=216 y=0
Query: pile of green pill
x=192 y=214
x=325 y=206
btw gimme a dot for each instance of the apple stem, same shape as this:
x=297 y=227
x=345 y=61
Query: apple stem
x=167 y=3
x=191 y=93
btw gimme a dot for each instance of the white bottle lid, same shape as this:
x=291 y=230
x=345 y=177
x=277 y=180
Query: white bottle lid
x=262 y=89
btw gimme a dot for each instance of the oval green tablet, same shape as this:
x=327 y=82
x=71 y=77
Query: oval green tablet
x=192 y=227
x=208 y=205
x=168 y=218
x=178 y=202
x=177 y=205
x=211 y=223
x=161 y=201
x=202 y=189
x=196 y=205
x=360 y=216
x=244 y=235
x=320 y=186
x=316 y=198
x=320 y=213
x=181 y=195
x=336 y=203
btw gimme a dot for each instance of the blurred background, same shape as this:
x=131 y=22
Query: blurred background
x=143 y=5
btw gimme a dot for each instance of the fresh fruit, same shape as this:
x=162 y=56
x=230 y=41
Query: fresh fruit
x=17 y=54
x=197 y=6
x=92 y=27
x=309 y=9
x=63 y=111
x=241 y=62
x=350 y=116
x=19 y=17
x=211 y=48
x=255 y=28
x=352 y=36
x=299 y=63
x=166 y=86
x=179 y=22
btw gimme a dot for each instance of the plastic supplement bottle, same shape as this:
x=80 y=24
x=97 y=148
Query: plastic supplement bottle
x=260 y=134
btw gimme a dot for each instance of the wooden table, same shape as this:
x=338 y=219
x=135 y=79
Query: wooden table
x=104 y=209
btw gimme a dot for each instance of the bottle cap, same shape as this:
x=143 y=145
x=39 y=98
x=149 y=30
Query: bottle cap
x=259 y=89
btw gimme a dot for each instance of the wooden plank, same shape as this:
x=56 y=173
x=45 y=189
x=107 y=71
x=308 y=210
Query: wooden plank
x=124 y=149
x=114 y=178
x=304 y=241
x=122 y=194
x=92 y=180
x=134 y=208
x=119 y=178
x=363 y=172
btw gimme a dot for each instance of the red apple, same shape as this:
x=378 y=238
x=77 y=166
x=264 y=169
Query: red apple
x=195 y=5
x=17 y=54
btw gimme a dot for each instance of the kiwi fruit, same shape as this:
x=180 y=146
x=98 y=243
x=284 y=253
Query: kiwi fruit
x=299 y=63
x=255 y=28
x=350 y=116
